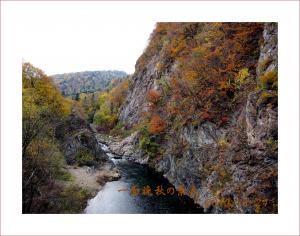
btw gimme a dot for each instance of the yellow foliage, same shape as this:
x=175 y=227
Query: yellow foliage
x=266 y=96
x=222 y=143
x=199 y=51
x=263 y=205
x=225 y=203
x=42 y=92
x=241 y=77
x=190 y=76
x=269 y=80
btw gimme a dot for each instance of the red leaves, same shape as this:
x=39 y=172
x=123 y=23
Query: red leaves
x=224 y=120
x=205 y=116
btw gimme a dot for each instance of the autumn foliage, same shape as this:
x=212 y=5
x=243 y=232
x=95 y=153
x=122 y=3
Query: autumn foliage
x=157 y=125
x=109 y=103
x=44 y=109
x=153 y=96
x=209 y=66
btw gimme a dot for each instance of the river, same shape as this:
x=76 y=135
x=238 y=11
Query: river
x=135 y=192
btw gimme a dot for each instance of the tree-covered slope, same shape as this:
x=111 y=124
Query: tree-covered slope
x=87 y=81
x=53 y=135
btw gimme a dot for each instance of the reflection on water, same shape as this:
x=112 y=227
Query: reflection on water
x=116 y=196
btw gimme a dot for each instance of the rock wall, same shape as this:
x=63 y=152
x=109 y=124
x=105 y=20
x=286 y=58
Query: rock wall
x=233 y=168
x=268 y=59
x=79 y=143
x=136 y=102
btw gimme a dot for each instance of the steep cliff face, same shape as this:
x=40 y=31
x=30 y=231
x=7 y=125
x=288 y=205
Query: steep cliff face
x=262 y=110
x=223 y=145
x=268 y=59
x=136 y=102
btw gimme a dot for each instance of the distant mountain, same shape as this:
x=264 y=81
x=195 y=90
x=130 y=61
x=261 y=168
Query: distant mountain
x=86 y=81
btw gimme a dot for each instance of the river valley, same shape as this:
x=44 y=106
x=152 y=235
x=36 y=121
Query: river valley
x=136 y=192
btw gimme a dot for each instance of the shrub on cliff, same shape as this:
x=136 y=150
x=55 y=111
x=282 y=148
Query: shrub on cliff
x=269 y=80
x=149 y=143
x=157 y=125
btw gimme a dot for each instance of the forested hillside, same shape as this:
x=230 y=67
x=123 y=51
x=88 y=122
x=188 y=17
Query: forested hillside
x=53 y=135
x=85 y=82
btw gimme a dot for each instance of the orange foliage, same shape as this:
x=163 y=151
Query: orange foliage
x=208 y=58
x=208 y=62
x=190 y=76
x=118 y=95
x=153 y=96
x=157 y=125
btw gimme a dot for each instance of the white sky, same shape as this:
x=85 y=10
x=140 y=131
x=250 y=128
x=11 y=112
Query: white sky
x=71 y=37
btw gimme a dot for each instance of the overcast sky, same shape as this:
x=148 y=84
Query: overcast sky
x=76 y=37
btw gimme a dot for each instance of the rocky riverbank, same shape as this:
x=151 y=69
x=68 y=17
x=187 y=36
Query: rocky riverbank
x=86 y=158
x=92 y=179
x=119 y=147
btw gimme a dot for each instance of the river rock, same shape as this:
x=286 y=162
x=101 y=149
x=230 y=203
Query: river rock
x=119 y=147
x=108 y=175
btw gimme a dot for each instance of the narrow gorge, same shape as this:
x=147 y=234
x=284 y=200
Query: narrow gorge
x=193 y=130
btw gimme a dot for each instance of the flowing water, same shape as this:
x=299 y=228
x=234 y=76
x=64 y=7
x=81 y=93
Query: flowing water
x=126 y=195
